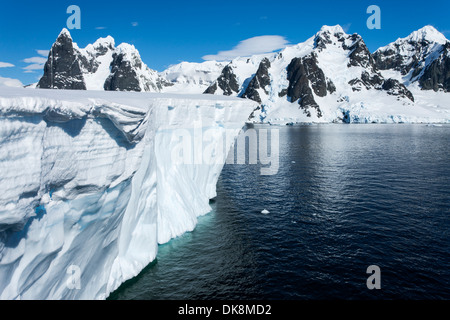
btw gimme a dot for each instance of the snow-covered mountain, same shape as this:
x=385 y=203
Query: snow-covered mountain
x=191 y=77
x=333 y=77
x=89 y=182
x=99 y=66
x=422 y=57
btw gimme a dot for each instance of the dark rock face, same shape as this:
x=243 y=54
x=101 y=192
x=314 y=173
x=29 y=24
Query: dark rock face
x=359 y=54
x=122 y=77
x=68 y=66
x=306 y=67
x=324 y=38
x=395 y=88
x=227 y=81
x=260 y=81
x=304 y=76
x=371 y=78
x=321 y=40
x=330 y=86
x=211 y=89
x=102 y=49
x=62 y=69
x=90 y=64
x=368 y=81
x=282 y=93
x=426 y=62
x=391 y=59
x=436 y=76
x=376 y=81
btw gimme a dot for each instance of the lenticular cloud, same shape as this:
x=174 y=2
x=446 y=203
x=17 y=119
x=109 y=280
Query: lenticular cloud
x=251 y=46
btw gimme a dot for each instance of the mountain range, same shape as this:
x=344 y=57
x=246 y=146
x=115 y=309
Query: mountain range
x=331 y=77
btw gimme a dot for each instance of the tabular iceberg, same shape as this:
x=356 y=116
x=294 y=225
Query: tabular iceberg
x=90 y=186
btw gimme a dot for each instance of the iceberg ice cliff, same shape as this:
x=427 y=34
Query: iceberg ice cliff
x=89 y=185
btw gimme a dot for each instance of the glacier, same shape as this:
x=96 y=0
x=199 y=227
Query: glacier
x=89 y=186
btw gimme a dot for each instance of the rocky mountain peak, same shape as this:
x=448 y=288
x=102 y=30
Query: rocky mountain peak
x=99 y=66
x=328 y=35
x=227 y=82
x=64 y=34
x=62 y=69
x=333 y=30
x=420 y=57
x=426 y=34
x=102 y=45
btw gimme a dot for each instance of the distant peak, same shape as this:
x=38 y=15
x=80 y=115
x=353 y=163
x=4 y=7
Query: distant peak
x=105 y=42
x=65 y=32
x=428 y=33
x=332 y=29
x=126 y=48
x=325 y=35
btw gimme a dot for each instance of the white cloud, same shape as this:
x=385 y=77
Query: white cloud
x=135 y=24
x=43 y=53
x=34 y=66
x=38 y=60
x=36 y=63
x=249 y=47
x=100 y=28
x=346 y=27
x=6 y=65
x=8 y=82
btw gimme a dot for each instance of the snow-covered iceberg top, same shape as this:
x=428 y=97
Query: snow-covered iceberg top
x=89 y=185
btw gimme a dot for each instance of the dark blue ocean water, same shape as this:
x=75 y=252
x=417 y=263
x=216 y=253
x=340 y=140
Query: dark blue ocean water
x=345 y=197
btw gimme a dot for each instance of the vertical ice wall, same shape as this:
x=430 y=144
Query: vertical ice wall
x=91 y=186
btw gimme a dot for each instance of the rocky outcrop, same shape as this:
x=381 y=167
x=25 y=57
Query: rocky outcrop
x=368 y=81
x=395 y=88
x=227 y=81
x=391 y=60
x=359 y=53
x=99 y=66
x=421 y=57
x=123 y=77
x=62 y=69
x=304 y=77
x=260 y=81
x=436 y=76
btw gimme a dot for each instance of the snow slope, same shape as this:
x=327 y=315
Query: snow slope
x=105 y=46
x=191 y=77
x=89 y=183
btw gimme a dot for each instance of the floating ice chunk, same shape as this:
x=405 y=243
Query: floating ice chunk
x=265 y=211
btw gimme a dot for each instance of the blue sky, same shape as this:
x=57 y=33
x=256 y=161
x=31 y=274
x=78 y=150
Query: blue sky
x=168 y=32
